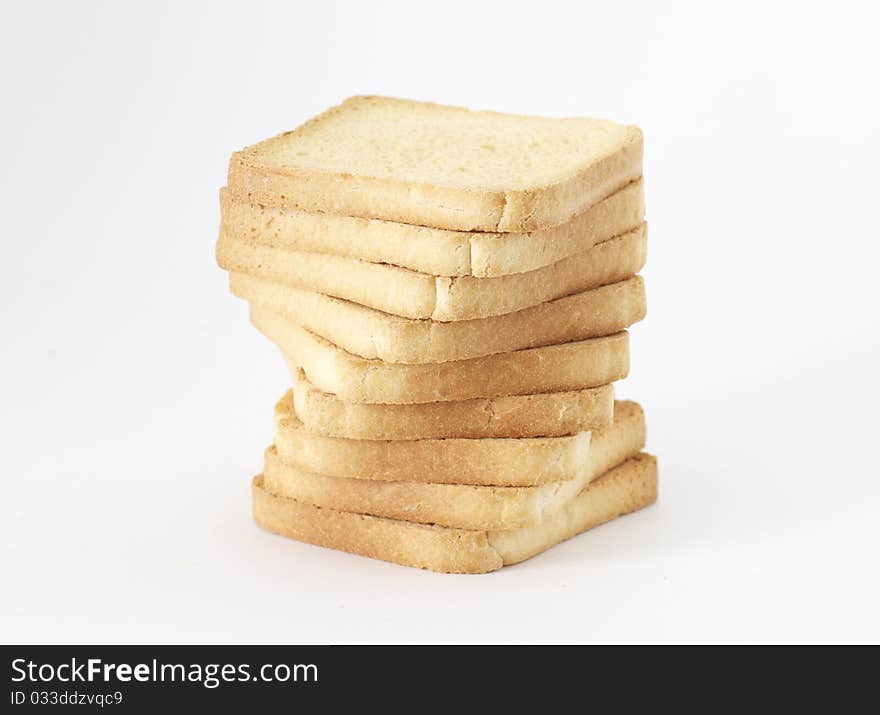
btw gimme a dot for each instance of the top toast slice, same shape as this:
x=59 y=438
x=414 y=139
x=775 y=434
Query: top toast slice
x=439 y=166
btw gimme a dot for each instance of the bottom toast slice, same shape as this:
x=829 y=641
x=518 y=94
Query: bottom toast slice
x=626 y=488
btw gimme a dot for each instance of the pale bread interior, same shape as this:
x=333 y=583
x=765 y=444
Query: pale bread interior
x=445 y=146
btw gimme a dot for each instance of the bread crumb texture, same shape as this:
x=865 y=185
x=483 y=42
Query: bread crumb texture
x=428 y=143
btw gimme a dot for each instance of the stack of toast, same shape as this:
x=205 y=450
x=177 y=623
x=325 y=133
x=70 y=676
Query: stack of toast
x=451 y=291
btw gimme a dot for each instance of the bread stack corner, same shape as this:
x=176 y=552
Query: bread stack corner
x=451 y=291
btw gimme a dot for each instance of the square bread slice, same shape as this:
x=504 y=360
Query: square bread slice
x=552 y=414
x=446 y=167
x=372 y=334
x=626 y=488
x=552 y=368
x=442 y=482
x=432 y=250
x=403 y=292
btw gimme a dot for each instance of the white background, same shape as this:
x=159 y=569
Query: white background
x=136 y=400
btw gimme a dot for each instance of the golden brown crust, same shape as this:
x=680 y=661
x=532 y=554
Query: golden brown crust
x=499 y=254
x=540 y=415
x=400 y=291
x=466 y=501
x=372 y=334
x=387 y=288
x=489 y=461
x=552 y=368
x=404 y=543
x=608 y=262
x=626 y=488
x=431 y=250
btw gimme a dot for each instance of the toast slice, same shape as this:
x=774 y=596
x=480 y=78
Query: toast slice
x=447 y=167
x=552 y=368
x=465 y=494
x=552 y=414
x=432 y=250
x=488 y=461
x=403 y=292
x=372 y=334
x=623 y=489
